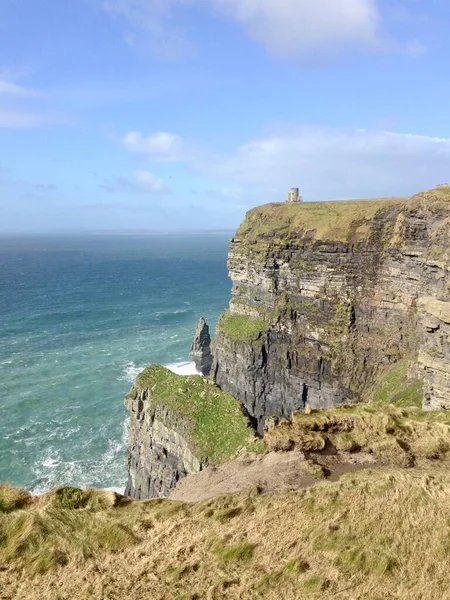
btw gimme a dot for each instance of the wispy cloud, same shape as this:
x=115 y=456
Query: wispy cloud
x=148 y=28
x=20 y=119
x=324 y=163
x=7 y=87
x=302 y=29
x=415 y=48
x=21 y=107
x=11 y=118
x=142 y=182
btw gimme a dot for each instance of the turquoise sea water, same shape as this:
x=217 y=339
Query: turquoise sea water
x=79 y=318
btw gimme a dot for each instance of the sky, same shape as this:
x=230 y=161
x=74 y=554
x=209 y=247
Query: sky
x=184 y=114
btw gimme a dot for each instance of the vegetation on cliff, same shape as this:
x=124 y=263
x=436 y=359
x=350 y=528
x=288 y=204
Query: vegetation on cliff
x=373 y=535
x=240 y=327
x=216 y=424
x=338 y=221
x=395 y=387
x=391 y=435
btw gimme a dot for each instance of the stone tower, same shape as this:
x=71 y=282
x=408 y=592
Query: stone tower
x=293 y=196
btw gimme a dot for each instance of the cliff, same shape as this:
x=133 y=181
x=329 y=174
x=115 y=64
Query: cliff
x=330 y=299
x=177 y=426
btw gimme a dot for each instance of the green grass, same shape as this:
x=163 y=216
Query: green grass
x=214 y=422
x=338 y=221
x=70 y=498
x=315 y=584
x=395 y=388
x=240 y=328
x=241 y=553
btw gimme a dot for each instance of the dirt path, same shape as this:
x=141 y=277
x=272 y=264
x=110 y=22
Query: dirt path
x=273 y=471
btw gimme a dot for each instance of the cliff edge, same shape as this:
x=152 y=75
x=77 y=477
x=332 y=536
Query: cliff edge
x=177 y=426
x=328 y=300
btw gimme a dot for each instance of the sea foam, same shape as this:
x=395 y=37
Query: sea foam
x=131 y=370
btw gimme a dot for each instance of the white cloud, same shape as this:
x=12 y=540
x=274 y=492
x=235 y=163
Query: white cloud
x=142 y=182
x=284 y=27
x=324 y=163
x=303 y=27
x=161 y=146
x=19 y=119
x=6 y=87
x=333 y=163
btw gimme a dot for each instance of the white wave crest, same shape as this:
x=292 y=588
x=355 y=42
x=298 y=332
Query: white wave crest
x=130 y=372
x=52 y=469
x=185 y=368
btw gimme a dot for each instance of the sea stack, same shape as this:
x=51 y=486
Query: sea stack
x=201 y=348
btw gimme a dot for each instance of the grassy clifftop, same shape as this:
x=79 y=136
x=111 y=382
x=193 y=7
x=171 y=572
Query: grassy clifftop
x=323 y=220
x=215 y=422
x=340 y=221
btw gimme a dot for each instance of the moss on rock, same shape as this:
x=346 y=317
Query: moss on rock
x=240 y=328
x=214 y=422
x=395 y=388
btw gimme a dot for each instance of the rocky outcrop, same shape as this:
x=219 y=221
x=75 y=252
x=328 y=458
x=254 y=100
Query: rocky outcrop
x=177 y=426
x=326 y=297
x=201 y=348
x=158 y=453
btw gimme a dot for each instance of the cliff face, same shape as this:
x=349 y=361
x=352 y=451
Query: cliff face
x=177 y=426
x=158 y=453
x=327 y=297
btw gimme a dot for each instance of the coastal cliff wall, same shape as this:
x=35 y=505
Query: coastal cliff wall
x=177 y=426
x=328 y=297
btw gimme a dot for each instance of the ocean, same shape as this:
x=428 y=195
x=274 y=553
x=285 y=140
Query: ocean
x=80 y=317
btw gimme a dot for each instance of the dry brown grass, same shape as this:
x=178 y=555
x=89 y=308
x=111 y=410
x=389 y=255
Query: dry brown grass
x=393 y=435
x=12 y=498
x=372 y=535
x=375 y=534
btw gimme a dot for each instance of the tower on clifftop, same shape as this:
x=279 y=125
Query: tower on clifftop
x=293 y=196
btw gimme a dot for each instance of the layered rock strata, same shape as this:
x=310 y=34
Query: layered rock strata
x=327 y=296
x=177 y=426
x=201 y=348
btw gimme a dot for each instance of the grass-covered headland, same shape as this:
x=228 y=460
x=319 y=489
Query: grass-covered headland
x=382 y=533
x=214 y=422
x=326 y=220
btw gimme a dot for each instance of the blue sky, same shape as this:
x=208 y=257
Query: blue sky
x=183 y=114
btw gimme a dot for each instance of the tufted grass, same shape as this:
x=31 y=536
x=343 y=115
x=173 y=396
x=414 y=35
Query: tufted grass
x=375 y=534
x=392 y=434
